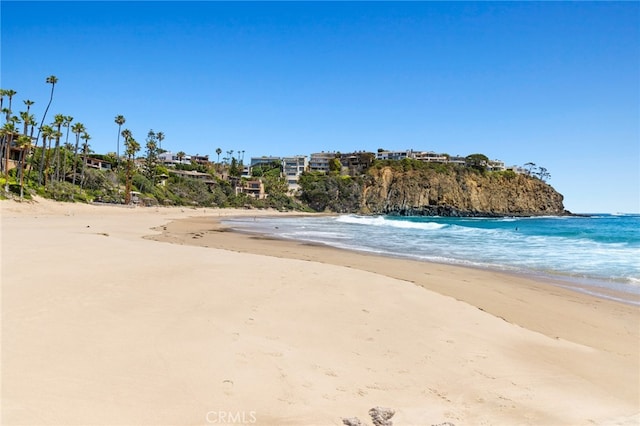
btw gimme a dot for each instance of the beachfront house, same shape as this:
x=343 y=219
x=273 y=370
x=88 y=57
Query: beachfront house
x=292 y=169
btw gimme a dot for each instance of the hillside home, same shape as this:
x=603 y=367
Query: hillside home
x=319 y=161
x=253 y=188
x=292 y=168
x=170 y=159
x=97 y=163
x=192 y=174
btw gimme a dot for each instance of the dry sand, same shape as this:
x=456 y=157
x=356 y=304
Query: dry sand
x=103 y=325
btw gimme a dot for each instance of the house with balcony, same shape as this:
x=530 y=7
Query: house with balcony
x=319 y=161
x=383 y=154
x=355 y=163
x=253 y=188
x=192 y=174
x=97 y=163
x=264 y=161
x=170 y=159
x=496 y=166
x=292 y=168
x=431 y=157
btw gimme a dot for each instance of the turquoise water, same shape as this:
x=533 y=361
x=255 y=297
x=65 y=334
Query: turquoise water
x=599 y=251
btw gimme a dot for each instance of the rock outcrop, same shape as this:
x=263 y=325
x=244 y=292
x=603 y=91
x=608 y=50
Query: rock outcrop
x=457 y=192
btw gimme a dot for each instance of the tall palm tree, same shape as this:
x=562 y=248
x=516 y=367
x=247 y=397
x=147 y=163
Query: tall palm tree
x=160 y=137
x=26 y=119
x=58 y=121
x=77 y=128
x=8 y=132
x=52 y=80
x=218 y=151
x=48 y=173
x=24 y=144
x=85 y=150
x=46 y=132
x=67 y=123
x=28 y=103
x=120 y=120
x=10 y=94
x=31 y=153
x=126 y=134
x=3 y=93
x=132 y=147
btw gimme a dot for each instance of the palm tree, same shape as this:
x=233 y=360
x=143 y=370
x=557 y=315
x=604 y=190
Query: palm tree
x=77 y=128
x=126 y=134
x=26 y=119
x=28 y=103
x=58 y=121
x=160 y=137
x=24 y=144
x=132 y=147
x=218 y=151
x=47 y=170
x=67 y=123
x=46 y=131
x=8 y=131
x=120 y=120
x=85 y=150
x=52 y=79
x=33 y=123
x=180 y=155
x=3 y=93
x=10 y=94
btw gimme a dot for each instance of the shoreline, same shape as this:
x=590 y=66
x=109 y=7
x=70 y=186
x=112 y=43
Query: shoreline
x=104 y=324
x=588 y=286
x=618 y=289
x=493 y=292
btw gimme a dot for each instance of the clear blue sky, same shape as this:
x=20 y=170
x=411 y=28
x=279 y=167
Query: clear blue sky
x=553 y=83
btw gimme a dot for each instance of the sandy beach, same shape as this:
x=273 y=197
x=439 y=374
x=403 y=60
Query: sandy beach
x=139 y=316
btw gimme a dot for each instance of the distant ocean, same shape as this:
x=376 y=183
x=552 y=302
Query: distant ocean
x=597 y=253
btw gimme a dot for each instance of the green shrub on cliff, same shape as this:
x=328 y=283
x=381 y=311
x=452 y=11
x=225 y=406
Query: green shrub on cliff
x=322 y=192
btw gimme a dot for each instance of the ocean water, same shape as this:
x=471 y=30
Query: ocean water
x=596 y=253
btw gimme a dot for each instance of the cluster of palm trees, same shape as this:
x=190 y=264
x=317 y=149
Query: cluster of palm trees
x=42 y=152
x=51 y=164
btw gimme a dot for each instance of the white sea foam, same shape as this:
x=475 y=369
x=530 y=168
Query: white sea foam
x=382 y=221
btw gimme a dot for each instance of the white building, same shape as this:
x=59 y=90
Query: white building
x=292 y=168
x=168 y=158
x=319 y=161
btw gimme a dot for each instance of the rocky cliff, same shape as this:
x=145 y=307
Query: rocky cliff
x=457 y=192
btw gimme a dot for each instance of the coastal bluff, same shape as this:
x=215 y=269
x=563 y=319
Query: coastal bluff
x=462 y=192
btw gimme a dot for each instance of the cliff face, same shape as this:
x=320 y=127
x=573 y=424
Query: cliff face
x=457 y=193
